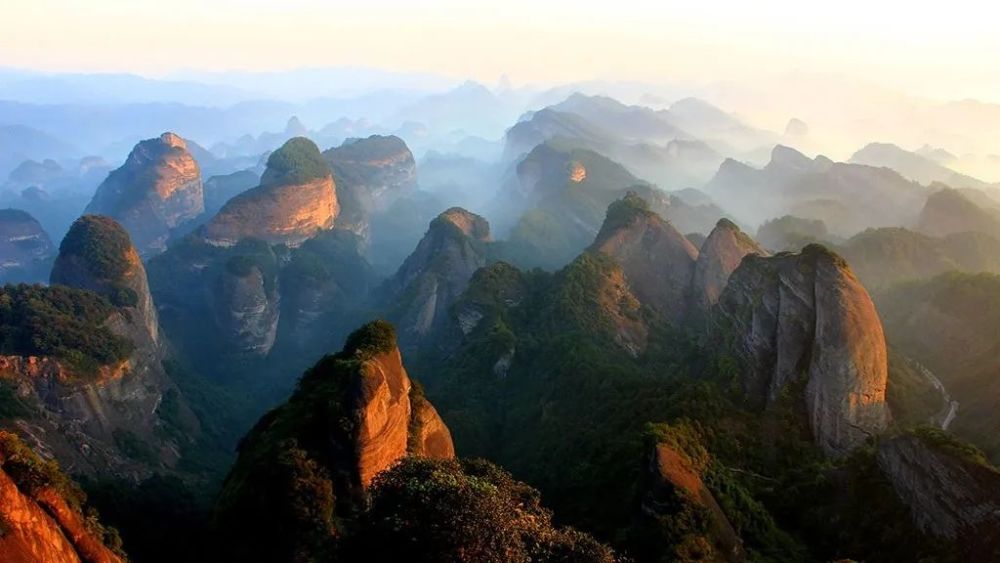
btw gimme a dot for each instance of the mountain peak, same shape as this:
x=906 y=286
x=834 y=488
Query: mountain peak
x=296 y=198
x=173 y=140
x=471 y=225
x=157 y=190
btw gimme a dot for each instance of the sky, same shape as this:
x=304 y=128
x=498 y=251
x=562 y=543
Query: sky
x=947 y=51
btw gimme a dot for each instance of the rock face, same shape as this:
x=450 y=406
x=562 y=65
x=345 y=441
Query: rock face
x=657 y=261
x=352 y=416
x=371 y=174
x=949 y=495
x=39 y=522
x=91 y=421
x=246 y=307
x=98 y=255
x=804 y=322
x=296 y=199
x=25 y=249
x=672 y=478
x=720 y=255
x=156 y=190
x=434 y=276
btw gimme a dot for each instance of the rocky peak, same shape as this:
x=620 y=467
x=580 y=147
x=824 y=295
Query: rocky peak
x=157 y=190
x=371 y=174
x=787 y=158
x=803 y=321
x=97 y=254
x=720 y=255
x=295 y=199
x=353 y=415
x=949 y=211
x=25 y=249
x=657 y=260
x=438 y=271
x=673 y=484
x=42 y=512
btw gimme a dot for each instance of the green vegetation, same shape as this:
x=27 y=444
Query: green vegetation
x=297 y=161
x=61 y=322
x=100 y=244
x=949 y=444
x=468 y=510
x=32 y=475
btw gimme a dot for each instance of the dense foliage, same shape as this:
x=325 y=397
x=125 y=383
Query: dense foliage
x=463 y=510
x=101 y=245
x=297 y=161
x=62 y=322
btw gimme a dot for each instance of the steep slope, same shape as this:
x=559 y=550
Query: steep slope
x=847 y=197
x=436 y=273
x=85 y=362
x=914 y=166
x=296 y=199
x=157 y=190
x=802 y=323
x=948 y=324
x=949 y=211
x=884 y=257
x=304 y=468
x=26 y=252
x=43 y=513
x=560 y=199
x=952 y=492
x=720 y=255
x=657 y=261
x=371 y=174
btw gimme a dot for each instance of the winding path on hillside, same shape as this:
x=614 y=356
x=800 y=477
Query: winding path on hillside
x=950 y=408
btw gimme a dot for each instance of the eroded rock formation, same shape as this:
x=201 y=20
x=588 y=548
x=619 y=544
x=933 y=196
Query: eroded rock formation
x=296 y=199
x=803 y=324
x=157 y=190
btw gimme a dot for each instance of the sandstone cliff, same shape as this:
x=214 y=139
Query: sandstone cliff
x=94 y=390
x=720 y=255
x=437 y=272
x=951 y=490
x=672 y=486
x=802 y=324
x=157 y=190
x=657 y=261
x=296 y=199
x=26 y=251
x=42 y=514
x=352 y=416
x=371 y=174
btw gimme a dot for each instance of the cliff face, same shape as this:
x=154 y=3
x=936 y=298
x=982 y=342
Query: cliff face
x=246 y=304
x=156 y=190
x=296 y=198
x=720 y=255
x=26 y=251
x=40 y=524
x=804 y=319
x=100 y=416
x=352 y=416
x=673 y=482
x=657 y=261
x=371 y=174
x=97 y=254
x=950 y=494
x=437 y=272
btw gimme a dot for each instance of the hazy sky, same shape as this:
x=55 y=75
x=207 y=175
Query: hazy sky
x=950 y=51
